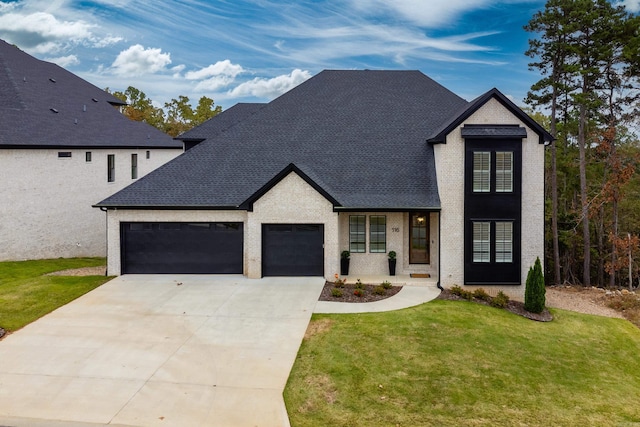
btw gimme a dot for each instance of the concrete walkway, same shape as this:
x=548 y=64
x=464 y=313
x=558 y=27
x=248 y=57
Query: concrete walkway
x=414 y=292
x=145 y=350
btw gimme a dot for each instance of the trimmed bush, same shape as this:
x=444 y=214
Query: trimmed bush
x=534 y=292
x=481 y=294
x=335 y=292
x=500 y=301
x=379 y=290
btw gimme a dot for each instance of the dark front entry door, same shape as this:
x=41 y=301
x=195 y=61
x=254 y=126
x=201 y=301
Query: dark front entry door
x=293 y=250
x=177 y=247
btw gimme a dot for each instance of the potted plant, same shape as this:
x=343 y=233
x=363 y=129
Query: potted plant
x=344 y=263
x=392 y=263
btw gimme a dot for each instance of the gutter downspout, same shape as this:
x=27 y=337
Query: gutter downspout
x=106 y=232
x=439 y=251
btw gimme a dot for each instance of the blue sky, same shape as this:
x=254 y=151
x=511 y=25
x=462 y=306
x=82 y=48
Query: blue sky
x=254 y=50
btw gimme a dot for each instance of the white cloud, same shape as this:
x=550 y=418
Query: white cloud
x=436 y=14
x=137 y=60
x=65 y=61
x=215 y=76
x=219 y=68
x=42 y=32
x=271 y=88
x=631 y=5
x=106 y=41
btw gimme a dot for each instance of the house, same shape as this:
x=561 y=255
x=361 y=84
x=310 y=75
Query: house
x=364 y=161
x=63 y=145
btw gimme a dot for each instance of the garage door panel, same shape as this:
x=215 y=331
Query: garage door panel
x=189 y=248
x=293 y=250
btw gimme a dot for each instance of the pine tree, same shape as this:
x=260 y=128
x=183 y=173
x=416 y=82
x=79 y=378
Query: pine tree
x=534 y=293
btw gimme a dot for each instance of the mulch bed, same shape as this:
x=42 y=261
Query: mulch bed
x=515 y=307
x=348 y=295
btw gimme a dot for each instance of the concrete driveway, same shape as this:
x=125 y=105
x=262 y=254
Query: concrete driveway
x=160 y=350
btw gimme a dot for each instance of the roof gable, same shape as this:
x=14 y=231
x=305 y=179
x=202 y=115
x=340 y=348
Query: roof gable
x=439 y=137
x=291 y=168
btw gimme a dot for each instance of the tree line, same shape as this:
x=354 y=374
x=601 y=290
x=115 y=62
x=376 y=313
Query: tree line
x=588 y=56
x=178 y=116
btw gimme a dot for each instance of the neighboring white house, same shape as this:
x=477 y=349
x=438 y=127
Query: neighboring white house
x=362 y=161
x=63 y=145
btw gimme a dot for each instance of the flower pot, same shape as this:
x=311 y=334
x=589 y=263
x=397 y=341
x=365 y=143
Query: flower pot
x=344 y=266
x=392 y=267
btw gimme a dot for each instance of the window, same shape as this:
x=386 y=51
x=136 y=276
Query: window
x=481 y=171
x=504 y=172
x=419 y=238
x=504 y=241
x=377 y=234
x=481 y=241
x=87 y=156
x=134 y=166
x=357 y=233
x=111 y=167
x=148 y=154
x=63 y=154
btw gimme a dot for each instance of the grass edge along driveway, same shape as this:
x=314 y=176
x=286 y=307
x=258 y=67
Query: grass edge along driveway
x=450 y=363
x=27 y=293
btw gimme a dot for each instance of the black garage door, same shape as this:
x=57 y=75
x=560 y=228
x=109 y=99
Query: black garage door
x=293 y=250
x=178 y=247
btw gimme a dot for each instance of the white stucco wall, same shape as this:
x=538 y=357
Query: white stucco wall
x=292 y=201
x=450 y=158
x=45 y=201
x=367 y=264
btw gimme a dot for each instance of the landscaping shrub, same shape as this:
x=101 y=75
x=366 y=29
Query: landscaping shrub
x=358 y=293
x=338 y=282
x=386 y=284
x=335 y=292
x=534 y=293
x=379 y=290
x=500 y=301
x=359 y=284
x=481 y=294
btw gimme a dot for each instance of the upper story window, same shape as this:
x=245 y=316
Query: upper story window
x=504 y=172
x=87 y=156
x=111 y=167
x=63 y=154
x=357 y=233
x=500 y=164
x=148 y=154
x=378 y=234
x=134 y=166
x=481 y=171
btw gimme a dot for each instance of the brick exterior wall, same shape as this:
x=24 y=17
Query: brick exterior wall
x=45 y=201
x=450 y=172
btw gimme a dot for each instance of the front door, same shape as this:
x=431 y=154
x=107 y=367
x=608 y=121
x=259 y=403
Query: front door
x=419 y=238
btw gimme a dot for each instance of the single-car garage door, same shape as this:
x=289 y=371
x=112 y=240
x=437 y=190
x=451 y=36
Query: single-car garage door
x=180 y=247
x=293 y=250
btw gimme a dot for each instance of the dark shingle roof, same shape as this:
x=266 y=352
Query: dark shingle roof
x=44 y=105
x=221 y=122
x=360 y=136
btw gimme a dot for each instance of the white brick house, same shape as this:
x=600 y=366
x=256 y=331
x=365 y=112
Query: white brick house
x=63 y=145
x=365 y=161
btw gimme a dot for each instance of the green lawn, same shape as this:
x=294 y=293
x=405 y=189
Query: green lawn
x=449 y=363
x=26 y=294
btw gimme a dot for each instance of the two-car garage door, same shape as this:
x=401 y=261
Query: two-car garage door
x=217 y=248
x=180 y=247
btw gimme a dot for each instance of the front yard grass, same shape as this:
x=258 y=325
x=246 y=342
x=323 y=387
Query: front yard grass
x=26 y=293
x=450 y=363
